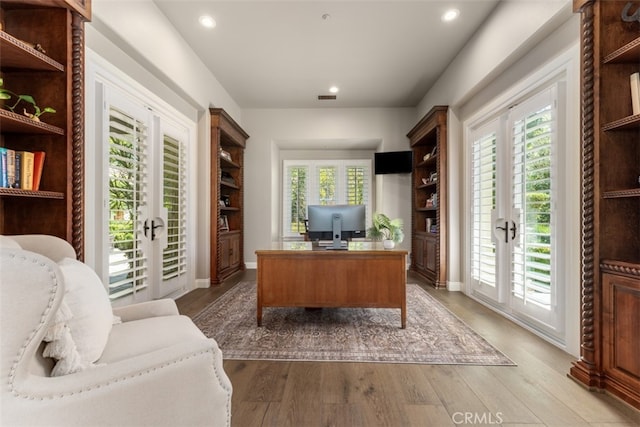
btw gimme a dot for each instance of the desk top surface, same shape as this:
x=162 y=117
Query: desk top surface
x=304 y=246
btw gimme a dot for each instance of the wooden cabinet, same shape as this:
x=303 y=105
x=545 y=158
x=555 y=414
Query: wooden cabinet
x=620 y=326
x=42 y=55
x=228 y=142
x=610 y=258
x=428 y=141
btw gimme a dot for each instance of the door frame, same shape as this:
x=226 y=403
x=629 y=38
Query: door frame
x=99 y=71
x=563 y=67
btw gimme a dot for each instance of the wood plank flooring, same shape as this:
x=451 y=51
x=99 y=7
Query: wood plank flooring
x=306 y=394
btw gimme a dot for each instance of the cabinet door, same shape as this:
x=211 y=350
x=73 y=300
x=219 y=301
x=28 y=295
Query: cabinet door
x=621 y=318
x=225 y=245
x=234 y=251
x=430 y=254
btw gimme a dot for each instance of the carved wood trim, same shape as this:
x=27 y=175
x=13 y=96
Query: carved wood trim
x=77 y=99
x=588 y=323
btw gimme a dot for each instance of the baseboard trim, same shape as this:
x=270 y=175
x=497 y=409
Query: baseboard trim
x=454 y=286
x=251 y=265
x=203 y=283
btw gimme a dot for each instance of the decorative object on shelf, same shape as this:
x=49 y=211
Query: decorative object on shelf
x=7 y=95
x=226 y=200
x=425 y=181
x=433 y=177
x=386 y=229
x=227 y=177
x=432 y=201
x=224 y=223
x=225 y=154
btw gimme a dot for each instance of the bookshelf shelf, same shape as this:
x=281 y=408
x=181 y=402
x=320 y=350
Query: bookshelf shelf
x=621 y=194
x=629 y=122
x=630 y=52
x=15 y=192
x=19 y=55
x=15 y=123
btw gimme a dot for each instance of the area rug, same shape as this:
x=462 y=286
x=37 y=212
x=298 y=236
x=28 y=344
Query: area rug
x=433 y=335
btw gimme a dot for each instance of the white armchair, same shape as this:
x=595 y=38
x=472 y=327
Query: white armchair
x=156 y=369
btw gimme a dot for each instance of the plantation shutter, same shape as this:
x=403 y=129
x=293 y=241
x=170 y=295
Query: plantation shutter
x=484 y=189
x=128 y=138
x=174 y=256
x=358 y=187
x=326 y=181
x=322 y=182
x=295 y=198
x=533 y=130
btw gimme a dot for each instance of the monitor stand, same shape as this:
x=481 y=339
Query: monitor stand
x=337 y=234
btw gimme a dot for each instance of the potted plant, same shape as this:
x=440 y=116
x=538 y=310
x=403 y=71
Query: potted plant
x=6 y=95
x=386 y=229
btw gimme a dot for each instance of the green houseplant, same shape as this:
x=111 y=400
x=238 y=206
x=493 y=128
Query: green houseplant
x=6 y=95
x=386 y=229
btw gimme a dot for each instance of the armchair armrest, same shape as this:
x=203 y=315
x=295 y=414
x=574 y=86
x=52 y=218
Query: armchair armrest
x=144 y=310
x=124 y=392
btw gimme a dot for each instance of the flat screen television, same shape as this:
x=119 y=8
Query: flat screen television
x=337 y=223
x=393 y=162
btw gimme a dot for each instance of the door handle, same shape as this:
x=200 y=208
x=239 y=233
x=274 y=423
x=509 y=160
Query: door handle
x=514 y=230
x=153 y=229
x=505 y=229
x=146 y=227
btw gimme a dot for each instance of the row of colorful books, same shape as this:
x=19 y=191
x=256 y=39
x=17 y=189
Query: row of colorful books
x=21 y=169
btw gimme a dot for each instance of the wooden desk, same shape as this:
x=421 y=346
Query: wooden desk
x=293 y=274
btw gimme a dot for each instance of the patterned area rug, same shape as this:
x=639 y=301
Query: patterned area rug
x=433 y=335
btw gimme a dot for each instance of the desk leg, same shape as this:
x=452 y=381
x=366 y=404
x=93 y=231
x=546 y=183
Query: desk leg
x=403 y=317
x=259 y=311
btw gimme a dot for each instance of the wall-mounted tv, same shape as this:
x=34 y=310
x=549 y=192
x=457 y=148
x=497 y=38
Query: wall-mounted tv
x=393 y=162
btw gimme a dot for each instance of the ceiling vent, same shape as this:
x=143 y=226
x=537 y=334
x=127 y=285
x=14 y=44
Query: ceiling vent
x=324 y=97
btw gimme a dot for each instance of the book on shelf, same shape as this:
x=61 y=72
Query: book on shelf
x=635 y=93
x=21 y=169
x=11 y=168
x=38 y=164
x=26 y=170
x=4 y=180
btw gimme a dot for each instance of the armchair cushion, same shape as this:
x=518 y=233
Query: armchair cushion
x=89 y=304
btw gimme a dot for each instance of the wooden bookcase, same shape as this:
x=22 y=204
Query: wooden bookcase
x=610 y=311
x=428 y=140
x=228 y=142
x=53 y=74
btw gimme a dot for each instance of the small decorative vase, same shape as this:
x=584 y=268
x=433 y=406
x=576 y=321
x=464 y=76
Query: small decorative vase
x=388 y=244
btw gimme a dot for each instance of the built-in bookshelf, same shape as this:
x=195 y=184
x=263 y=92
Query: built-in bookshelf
x=42 y=55
x=228 y=142
x=610 y=282
x=428 y=140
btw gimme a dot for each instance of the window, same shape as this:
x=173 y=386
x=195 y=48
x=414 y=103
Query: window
x=322 y=182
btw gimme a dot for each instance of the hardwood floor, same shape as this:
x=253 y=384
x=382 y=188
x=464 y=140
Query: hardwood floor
x=305 y=394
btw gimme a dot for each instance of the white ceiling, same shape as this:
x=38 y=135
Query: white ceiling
x=283 y=54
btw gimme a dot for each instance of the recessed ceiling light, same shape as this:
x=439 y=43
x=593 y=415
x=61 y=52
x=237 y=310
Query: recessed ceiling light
x=450 y=15
x=207 y=21
x=334 y=89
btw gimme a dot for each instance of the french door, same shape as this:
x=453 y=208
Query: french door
x=513 y=231
x=146 y=201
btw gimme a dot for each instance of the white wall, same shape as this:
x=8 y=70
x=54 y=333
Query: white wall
x=275 y=130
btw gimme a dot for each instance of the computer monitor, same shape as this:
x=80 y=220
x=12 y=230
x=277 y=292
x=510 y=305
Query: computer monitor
x=337 y=223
